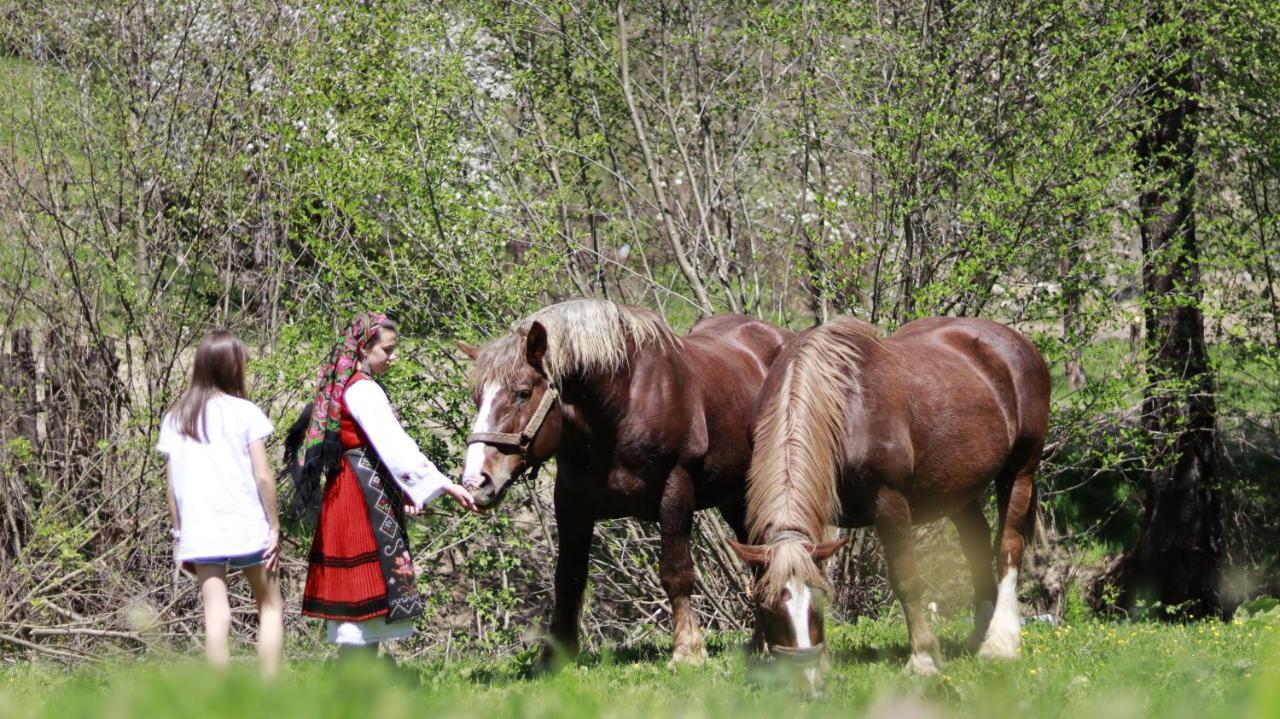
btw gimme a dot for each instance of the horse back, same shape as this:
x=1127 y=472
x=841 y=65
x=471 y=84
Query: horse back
x=948 y=403
x=722 y=362
x=959 y=350
x=753 y=338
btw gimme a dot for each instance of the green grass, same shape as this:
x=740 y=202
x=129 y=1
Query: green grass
x=1092 y=669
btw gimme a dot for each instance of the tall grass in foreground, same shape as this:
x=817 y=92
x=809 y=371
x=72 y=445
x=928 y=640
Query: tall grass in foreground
x=1104 y=670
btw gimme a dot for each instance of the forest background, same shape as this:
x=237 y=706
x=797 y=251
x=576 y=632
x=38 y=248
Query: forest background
x=1102 y=176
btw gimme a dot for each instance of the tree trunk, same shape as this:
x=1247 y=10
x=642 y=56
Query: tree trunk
x=1072 y=294
x=691 y=274
x=1177 y=559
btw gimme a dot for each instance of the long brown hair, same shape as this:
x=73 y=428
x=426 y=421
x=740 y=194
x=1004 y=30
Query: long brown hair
x=219 y=368
x=312 y=448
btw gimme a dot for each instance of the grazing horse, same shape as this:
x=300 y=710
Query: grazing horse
x=642 y=423
x=855 y=430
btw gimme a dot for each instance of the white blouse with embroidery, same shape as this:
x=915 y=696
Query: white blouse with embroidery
x=416 y=475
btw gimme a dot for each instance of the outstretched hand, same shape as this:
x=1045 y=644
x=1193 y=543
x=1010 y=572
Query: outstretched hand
x=461 y=496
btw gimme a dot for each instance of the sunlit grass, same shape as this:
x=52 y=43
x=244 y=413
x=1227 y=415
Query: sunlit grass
x=1092 y=669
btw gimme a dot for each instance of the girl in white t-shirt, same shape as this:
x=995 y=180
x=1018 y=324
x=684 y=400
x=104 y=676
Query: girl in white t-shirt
x=222 y=496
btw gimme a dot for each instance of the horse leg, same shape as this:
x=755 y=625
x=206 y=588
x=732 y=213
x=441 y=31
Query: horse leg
x=893 y=525
x=675 y=519
x=1016 y=497
x=575 y=534
x=975 y=541
x=735 y=514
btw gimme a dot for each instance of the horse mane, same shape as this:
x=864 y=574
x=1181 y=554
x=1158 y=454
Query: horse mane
x=584 y=336
x=788 y=560
x=800 y=444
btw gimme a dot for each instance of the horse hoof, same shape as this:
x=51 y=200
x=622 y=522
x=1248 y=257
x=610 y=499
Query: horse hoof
x=1002 y=643
x=553 y=658
x=688 y=657
x=922 y=665
x=999 y=649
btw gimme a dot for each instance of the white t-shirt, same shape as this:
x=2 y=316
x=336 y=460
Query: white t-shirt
x=218 y=503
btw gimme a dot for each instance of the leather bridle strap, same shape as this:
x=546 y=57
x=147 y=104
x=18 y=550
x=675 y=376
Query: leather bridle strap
x=801 y=656
x=786 y=534
x=520 y=441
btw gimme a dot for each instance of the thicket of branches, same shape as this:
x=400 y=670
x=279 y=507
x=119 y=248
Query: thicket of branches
x=166 y=167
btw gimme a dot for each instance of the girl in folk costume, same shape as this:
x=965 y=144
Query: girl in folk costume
x=361 y=577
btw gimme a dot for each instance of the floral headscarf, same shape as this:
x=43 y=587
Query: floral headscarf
x=319 y=449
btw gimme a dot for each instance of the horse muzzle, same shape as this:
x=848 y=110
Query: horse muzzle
x=486 y=492
x=803 y=660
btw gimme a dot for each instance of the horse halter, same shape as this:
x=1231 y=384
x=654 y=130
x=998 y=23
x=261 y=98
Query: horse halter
x=786 y=534
x=797 y=656
x=520 y=442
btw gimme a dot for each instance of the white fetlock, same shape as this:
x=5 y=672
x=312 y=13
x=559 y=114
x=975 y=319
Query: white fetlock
x=1001 y=643
x=1004 y=636
x=922 y=665
x=695 y=655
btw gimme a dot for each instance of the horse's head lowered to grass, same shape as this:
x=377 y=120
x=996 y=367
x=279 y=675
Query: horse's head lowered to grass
x=852 y=429
x=790 y=594
x=798 y=440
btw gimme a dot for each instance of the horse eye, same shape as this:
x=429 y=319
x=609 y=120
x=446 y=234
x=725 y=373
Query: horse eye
x=523 y=394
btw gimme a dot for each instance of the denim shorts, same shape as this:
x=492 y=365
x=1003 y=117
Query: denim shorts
x=243 y=561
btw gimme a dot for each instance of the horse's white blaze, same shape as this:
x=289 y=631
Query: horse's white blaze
x=798 y=609
x=1004 y=635
x=475 y=452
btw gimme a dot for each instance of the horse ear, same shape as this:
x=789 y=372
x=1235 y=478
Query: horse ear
x=471 y=351
x=535 y=346
x=753 y=555
x=822 y=552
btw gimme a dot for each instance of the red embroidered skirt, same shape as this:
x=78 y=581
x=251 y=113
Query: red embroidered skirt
x=344 y=579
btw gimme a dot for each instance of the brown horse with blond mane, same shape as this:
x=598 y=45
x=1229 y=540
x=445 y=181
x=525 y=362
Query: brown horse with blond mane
x=642 y=423
x=852 y=429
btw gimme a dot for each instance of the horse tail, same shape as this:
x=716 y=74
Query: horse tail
x=800 y=438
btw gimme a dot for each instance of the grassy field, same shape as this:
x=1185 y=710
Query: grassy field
x=1093 y=669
